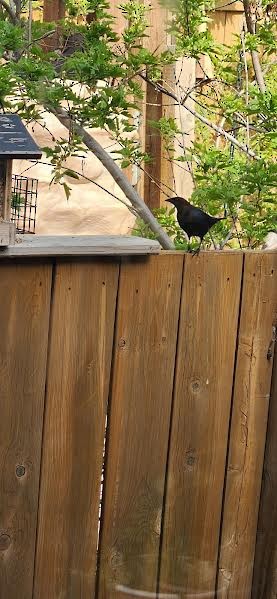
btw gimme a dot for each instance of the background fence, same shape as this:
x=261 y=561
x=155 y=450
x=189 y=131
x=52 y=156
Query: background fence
x=177 y=351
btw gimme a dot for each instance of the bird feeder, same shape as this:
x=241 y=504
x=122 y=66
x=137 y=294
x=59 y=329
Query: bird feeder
x=15 y=143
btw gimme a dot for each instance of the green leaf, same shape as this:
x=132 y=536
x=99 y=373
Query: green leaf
x=67 y=190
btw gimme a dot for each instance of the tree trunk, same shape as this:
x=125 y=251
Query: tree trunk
x=118 y=176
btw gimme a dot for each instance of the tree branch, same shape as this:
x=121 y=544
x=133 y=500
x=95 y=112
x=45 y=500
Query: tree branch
x=38 y=39
x=118 y=176
x=244 y=148
x=10 y=12
x=254 y=54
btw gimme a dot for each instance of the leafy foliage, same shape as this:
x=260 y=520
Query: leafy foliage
x=110 y=71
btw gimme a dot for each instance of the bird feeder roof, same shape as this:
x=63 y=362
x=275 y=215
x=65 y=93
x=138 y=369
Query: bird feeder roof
x=15 y=140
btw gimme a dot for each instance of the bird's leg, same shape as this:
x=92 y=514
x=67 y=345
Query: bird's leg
x=196 y=252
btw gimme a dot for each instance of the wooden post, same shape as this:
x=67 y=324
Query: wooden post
x=53 y=10
x=7 y=229
x=153 y=147
x=153 y=111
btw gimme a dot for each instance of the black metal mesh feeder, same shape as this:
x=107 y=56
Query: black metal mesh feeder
x=15 y=143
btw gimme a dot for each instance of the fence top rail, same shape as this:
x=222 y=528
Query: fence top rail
x=79 y=245
x=94 y=245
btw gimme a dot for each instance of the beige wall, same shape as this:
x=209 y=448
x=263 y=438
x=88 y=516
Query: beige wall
x=89 y=210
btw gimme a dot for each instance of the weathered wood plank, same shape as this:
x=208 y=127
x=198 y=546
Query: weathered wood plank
x=145 y=345
x=201 y=411
x=53 y=10
x=153 y=147
x=83 y=245
x=77 y=391
x=265 y=566
x=248 y=426
x=24 y=319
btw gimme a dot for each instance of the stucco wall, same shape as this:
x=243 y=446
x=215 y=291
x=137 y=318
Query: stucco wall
x=89 y=210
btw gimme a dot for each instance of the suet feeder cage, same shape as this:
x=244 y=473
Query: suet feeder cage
x=15 y=143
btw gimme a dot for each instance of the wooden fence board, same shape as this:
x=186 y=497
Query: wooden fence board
x=25 y=291
x=78 y=382
x=201 y=411
x=265 y=566
x=145 y=345
x=248 y=426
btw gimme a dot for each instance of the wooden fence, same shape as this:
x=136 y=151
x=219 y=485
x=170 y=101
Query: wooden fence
x=177 y=352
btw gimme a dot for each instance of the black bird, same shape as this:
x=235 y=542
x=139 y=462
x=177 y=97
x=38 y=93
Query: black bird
x=193 y=220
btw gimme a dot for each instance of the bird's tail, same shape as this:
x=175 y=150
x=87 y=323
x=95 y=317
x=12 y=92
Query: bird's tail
x=217 y=219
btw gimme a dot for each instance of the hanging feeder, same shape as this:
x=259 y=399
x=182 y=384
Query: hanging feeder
x=15 y=143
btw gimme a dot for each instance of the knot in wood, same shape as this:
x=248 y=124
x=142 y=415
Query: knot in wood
x=195 y=385
x=190 y=458
x=20 y=470
x=122 y=343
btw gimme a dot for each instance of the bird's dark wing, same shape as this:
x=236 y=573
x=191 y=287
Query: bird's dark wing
x=196 y=215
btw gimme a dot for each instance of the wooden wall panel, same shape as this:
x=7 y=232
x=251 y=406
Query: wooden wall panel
x=265 y=567
x=145 y=346
x=201 y=412
x=77 y=391
x=249 y=425
x=25 y=291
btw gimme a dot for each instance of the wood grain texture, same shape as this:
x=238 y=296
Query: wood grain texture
x=153 y=110
x=248 y=426
x=77 y=391
x=265 y=566
x=153 y=147
x=225 y=25
x=53 y=10
x=79 y=245
x=201 y=411
x=145 y=345
x=24 y=319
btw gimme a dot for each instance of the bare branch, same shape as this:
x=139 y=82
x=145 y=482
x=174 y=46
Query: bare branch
x=204 y=120
x=10 y=12
x=254 y=54
x=30 y=19
x=38 y=39
x=246 y=86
